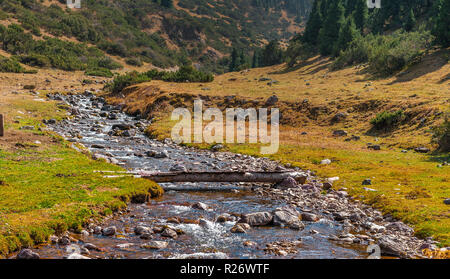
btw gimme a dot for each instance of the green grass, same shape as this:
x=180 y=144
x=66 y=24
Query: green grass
x=49 y=188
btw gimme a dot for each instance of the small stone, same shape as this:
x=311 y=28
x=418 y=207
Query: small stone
x=288 y=182
x=76 y=256
x=447 y=201
x=309 y=217
x=109 y=231
x=327 y=185
x=91 y=247
x=169 y=232
x=422 y=150
x=200 y=206
x=141 y=230
x=325 y=162
x=257 y=219
x=367 y=181
x=240 y=228
x=155 y=245
x=27 y=254
x=249 y=243
x=340 y=133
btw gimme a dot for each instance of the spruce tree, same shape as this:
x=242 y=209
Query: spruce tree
x=313 y=25
x=441 y=29
x=361 y=14
x=234 y=60
x=410 y=21
x=346 y=35
x=333 y=22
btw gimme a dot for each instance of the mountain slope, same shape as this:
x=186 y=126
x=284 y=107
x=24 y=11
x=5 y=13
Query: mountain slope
x=147 y=31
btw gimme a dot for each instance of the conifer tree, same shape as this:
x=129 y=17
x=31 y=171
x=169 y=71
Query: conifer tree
x=361 y=14
x=346 y=35
x=441 y=29
x=333 y=22
x=410 y=21
x=313 y=25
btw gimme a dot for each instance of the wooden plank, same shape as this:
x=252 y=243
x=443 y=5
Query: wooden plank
x=231 y=177
x=2 y=127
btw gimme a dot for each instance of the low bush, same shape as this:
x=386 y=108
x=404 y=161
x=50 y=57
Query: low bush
x=386 y=54
x=99 y=72
x=442 y=136
x=125 y=80
x=387 y=120
x=10 y=65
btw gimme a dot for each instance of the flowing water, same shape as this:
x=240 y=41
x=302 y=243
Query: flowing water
x=204 y=239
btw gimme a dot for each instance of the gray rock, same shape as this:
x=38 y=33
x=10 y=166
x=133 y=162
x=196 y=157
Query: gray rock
x=287 y=183
x=310 y=217
x=168 y=232
x=257 y=218
x=155 y=245
x=27 y=254
x=76 y=256
x=109 y=231
x=200 y=206
x=390 y=247
x=422 y=150
x=91 y=247
x=340 y=133
x=447 y=201
x=284 y=216
x=401 y=227
x=325 y=162
x=178 y=167
x=139 y=230
x=240 y=228
x=367 y=181
x=272 y=100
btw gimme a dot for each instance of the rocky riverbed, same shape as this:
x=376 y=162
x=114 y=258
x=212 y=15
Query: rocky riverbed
x=219 y=220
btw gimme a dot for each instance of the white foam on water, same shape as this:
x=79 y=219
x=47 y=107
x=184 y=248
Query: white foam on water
x=217 y=255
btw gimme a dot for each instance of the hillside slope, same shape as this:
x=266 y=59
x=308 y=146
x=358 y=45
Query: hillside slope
x=147 y=31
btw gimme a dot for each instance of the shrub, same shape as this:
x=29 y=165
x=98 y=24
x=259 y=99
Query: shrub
x=387 y=120
x=134 y=62
x=10 y=65
x=442 y=136
x=386 y=54
x=125 y=80
x=35 y=60
x=98 y=72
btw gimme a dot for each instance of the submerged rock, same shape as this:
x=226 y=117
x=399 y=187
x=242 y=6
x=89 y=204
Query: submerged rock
x=240 y=228
x=155 y=245
x=109 y=231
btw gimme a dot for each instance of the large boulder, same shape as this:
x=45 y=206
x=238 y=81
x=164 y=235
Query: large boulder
x=390 y=247
x=285 y=216
x=27 y=254
x=257 y=218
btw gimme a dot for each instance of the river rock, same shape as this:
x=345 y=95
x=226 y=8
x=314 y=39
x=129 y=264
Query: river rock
x=200 y=206
x=109 y=231
x=310 y=217
x=298 y=226
x=288 y=182
x=257 y=218
x=447 y=201
x=27 y=254
x=325 y=162
x=390 y=247
x=240 y=228
x=401 y=227
x=91 y=247
x=76 y=256
x=169 y=232
x=121 y=126
x=284 y=216
x=139 y=230
x=155 y=245
x=64 y=240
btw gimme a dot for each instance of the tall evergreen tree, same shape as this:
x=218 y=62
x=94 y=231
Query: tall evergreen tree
x=167 y=3
x=410 y=21
x=313 y=25
x=346 y=35
x=361 y=14
x=333 y=22
x=441 y=29
x=234 y=60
